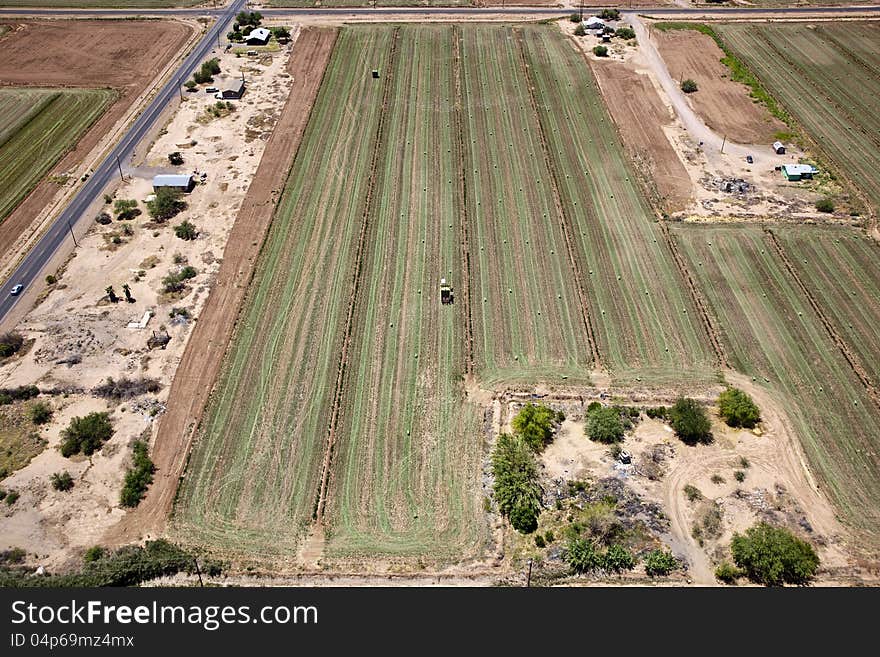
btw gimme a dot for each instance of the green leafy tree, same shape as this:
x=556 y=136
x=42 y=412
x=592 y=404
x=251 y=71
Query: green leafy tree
x=186 y=230
x=660 y=563
x=774 y=556
x=62 y=481
x=610 y=14
x=690 y=421
x=825 y=205
x=688 y=86
x=738 y=409
x=604 y=425
x=625 y=33
x=166 y=204
x=516 y=489
x=281 y=33
x=86 y=434
x=618 y=559
x=10 y=343
x=581 y=555
x=126 y=209
x=728 y=573
x=138 y=477
x=580 y=30
x=600 y=51
x=535 y=423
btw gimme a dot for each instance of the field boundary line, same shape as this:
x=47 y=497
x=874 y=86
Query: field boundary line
x=464 y=217
x=333 y=425
x=557 y=200
x=841 y=344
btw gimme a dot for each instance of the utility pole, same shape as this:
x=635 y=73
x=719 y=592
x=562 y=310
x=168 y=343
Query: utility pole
x=119 y=166
x=70 y=228
x=723 y=141
x=582 y=10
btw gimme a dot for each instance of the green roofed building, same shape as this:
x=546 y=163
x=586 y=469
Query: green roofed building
x=798 y=171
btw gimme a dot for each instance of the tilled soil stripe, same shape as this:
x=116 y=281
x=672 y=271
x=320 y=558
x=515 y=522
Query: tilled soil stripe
x=851 y=358
x=565 y=221
x=321 y=495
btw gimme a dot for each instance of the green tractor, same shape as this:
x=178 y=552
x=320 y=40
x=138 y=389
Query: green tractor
x=446 y=296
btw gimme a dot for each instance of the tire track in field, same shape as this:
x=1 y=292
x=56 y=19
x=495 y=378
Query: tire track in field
x=321 y=495
x=700 y=303
x=565 y=221
x=841 y=344
x=463 y=212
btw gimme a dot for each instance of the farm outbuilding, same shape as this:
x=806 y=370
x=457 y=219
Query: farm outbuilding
x=182 y=182
x=258 y=37
x=594 y=23
x=779 y=148
x=798 y=171
x=231 y=88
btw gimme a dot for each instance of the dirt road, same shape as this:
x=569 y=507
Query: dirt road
x=204 y=353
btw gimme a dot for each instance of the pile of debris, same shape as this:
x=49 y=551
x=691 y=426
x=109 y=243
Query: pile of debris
x=732 y=185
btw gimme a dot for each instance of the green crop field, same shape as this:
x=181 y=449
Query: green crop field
x=772 y=333
x=37 y=127
x=811 y=69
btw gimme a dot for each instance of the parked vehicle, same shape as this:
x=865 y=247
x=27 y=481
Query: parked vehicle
x=750 y=159
x=211 y=90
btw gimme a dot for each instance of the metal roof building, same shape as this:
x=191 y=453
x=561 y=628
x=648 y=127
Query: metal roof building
x=258 y=37
x=798 y=171
x=181 y=181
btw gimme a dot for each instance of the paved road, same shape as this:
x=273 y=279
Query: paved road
x=29 y=269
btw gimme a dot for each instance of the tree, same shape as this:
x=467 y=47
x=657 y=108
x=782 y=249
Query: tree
x=138 y=477
x=728 y=573
x=609 y=15
x=825 y=205
x=690 y=421
x=600 y=51
x=581 y=555
x=62 y=481
x=738 y=409
x=111 y=294
x=688 y=86
x=617 y=559
x=190 y=85
x=126 y=209
x=186 y=230
x=660 y=563
x=127 y=290
x=580 y=30
x=40 y=412
x=625 y=33
x=166 y=204
x=574 y=18
x=604 y=425
x=516 y=489
x=86 y=434
x=10 y=343
x=774 y=556
x=175 y=158
x=281 y=33
x=535 y=423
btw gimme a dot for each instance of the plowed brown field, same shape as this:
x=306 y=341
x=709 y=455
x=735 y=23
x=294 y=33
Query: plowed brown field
x=124 y=55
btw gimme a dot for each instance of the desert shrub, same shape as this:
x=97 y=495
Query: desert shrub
x=604 y=425
x=610 y=14
x=40 y=412
x=593 y=406
x=166 y=204
x=659 y=563
x=126 y=210
x=825 y=205
x=657 y=412
x=617 y=559
x=574 y=18
x=186 y=230
x=716 y=479
x=690 y=421
x=175 y=281
x=516 y=489
x=728 y=573
x=9 y=395
x=692 y=493
x=62 y=481
x=580 y=30
x=86 y=434
x=179 y=312
x=688 y=86
x=744 y=462
x=539 y=541
x=536 y=423
x=126 y=388
x=625 y=33
x=104 y=219
x=138 y=477
x=51 y=280
x=738 y=409
x=175 y=158
x=11 y=343
x=581 y=555
x=94 y=553
x=13 y=555
x=615 y=450
x=739 y=475
x=774 y=556
x=190 y=84
x=549 y=537
x=12 y=497
x=179 y=259
x=707 y=525
x=600 y=51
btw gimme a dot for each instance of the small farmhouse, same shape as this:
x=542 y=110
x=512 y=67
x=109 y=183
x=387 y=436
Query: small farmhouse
x=230 y=88
x=594 y=23
x=181 y=182
x=798 y=171
x=779 y=148
x=258 y=37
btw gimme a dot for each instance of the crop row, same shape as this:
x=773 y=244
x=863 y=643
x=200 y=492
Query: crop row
x=40 y=126
x=772 y=333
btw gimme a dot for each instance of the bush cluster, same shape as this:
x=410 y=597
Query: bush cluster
x=10 y=343
x=176 y=281
x=536 y=423
x=690 y=421
x=86 y=435
x=62 y=481
x=659 y=563
x=21 y=393
x=582 y=555
x=138 y=477
x=516 y=488
x=738 y=409
x=774 y=556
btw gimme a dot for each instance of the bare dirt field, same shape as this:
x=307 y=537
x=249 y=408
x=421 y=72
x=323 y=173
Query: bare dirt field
x=78 y=337
x=124 y=55
x=201 y=361
x=641 y=117
x=725 y=105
